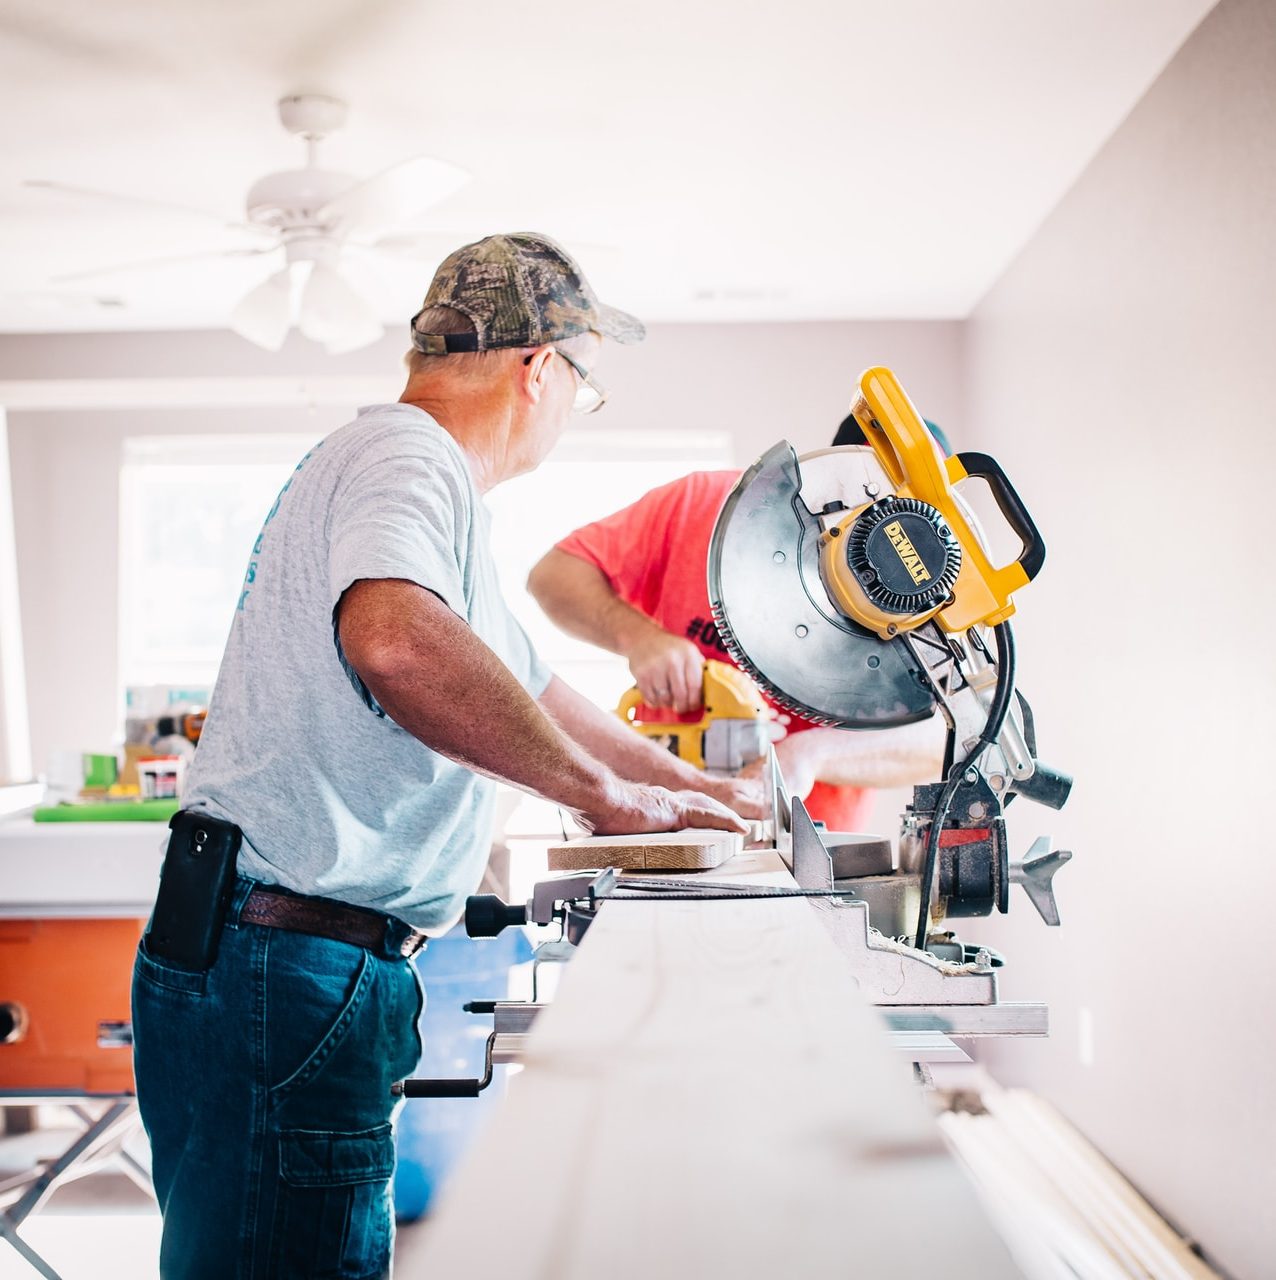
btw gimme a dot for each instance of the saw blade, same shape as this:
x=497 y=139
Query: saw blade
x=778 y=623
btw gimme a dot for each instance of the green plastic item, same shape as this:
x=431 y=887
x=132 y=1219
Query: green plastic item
x=99 y=770
x=108 y=811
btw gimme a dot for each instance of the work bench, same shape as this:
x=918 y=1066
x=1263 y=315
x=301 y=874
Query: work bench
x=73 y=900
x=709 y=1096
x=103 y=870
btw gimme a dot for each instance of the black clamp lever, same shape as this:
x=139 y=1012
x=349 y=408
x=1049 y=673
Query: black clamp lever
x=462 y=1088
x=572 y=899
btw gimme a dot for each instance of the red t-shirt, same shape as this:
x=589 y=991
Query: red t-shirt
x=654 y=553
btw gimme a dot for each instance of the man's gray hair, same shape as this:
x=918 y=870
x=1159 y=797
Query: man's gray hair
x=450 y=320
x=445 y=320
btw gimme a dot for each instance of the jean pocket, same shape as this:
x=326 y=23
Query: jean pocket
x=332 y=1215
x=159 y=973
x=315 y=989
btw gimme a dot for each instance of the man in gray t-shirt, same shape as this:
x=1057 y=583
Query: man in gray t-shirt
x=373 y=816
x=374 y=688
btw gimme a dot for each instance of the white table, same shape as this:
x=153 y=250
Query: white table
x=85 y=869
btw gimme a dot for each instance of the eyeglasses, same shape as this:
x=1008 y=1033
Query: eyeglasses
x=591 y=395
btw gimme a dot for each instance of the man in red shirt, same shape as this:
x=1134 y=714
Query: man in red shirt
x=635 y=583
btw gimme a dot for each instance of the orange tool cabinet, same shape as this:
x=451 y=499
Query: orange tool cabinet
x=74 y=899
x=64 y=1004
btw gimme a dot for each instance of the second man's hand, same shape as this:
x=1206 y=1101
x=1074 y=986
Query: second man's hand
x=668 y=670
x=748 y=795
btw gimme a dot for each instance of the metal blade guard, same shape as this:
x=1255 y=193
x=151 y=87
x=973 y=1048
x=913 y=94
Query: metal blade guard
x=776 y=619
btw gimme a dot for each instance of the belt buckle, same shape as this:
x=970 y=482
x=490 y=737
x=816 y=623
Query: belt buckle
x=412 y=945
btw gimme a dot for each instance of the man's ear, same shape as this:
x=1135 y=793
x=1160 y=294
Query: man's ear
x=535 y=371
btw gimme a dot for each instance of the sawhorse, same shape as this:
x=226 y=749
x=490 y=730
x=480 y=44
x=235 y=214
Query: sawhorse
x=107 y=1122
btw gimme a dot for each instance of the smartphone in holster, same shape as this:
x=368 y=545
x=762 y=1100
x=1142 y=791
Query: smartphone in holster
x=195 y=887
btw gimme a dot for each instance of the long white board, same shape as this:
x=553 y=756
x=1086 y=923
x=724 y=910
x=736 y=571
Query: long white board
x=708 y=1096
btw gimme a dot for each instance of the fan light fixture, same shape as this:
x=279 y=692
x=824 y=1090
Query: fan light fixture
x=311 y=214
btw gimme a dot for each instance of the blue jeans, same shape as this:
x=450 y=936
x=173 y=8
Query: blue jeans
x=264 y=1085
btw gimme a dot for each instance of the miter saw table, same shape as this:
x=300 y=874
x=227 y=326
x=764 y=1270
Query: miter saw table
x=927 y=1001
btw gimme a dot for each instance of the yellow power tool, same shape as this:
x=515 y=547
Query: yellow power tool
x=730 y=729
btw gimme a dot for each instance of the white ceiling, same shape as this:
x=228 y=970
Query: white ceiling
x=709 y=159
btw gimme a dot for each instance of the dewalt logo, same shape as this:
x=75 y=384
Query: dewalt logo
x=907 y=552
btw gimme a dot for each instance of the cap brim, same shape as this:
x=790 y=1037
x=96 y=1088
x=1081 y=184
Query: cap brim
x=618 y=325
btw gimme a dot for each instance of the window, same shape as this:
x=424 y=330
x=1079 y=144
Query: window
x=190 y=509
x=192 y=506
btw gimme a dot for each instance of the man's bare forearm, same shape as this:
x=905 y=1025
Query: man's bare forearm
x=896 y=757
x=606 y=737
x=435 y=678
x=577 y=597
x=668 y=669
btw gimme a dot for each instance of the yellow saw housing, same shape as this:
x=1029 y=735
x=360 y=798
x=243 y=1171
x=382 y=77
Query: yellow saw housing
x=898 y=560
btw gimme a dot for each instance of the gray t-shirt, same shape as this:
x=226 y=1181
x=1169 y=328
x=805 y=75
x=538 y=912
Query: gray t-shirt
x=333 y=797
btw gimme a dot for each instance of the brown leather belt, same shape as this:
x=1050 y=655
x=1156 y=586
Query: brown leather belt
x=327 y=918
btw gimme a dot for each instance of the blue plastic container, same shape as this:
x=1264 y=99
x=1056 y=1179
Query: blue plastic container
x=433 y=1133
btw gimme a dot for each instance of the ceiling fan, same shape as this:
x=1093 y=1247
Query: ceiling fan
x=313 y=217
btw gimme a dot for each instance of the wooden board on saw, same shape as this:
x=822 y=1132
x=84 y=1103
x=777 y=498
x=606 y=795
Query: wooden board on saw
x=692 y=850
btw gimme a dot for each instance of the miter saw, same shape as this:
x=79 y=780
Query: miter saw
x=855 y=586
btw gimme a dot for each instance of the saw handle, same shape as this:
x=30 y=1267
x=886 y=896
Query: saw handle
x=1011 y=506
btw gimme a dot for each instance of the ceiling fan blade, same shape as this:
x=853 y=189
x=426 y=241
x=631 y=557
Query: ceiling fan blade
x=395 y=194
x=264 y=313
x=115 y=197
x=145 y=264
x=334 y=314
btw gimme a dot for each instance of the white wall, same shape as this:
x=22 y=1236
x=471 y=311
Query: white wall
x=761 y=382
x=1123 y=370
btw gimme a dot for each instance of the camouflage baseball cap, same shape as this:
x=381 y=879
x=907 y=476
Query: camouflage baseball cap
x=520 y=290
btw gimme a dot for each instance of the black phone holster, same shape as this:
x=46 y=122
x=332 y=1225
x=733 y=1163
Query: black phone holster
x=195 y=887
